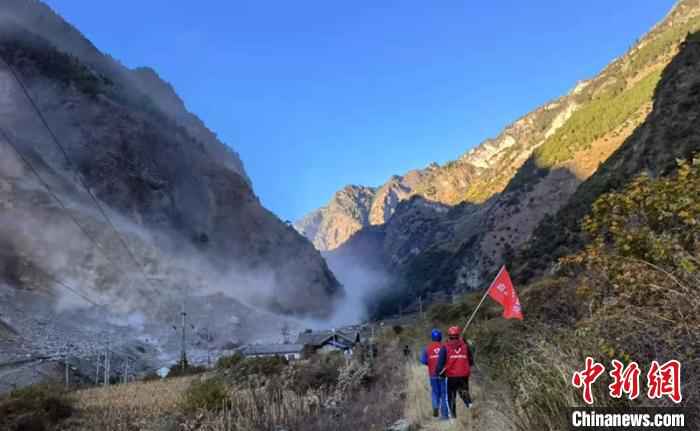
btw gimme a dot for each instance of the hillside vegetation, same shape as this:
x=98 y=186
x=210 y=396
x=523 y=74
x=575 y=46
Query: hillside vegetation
x=632 y=295
x=519 y=198
x=321 y=392
x=595 y=119
x=668 y=133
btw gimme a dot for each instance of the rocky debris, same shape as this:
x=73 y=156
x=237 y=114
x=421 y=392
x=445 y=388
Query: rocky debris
x=43 y=337
x=401 y=425
x=172 y=189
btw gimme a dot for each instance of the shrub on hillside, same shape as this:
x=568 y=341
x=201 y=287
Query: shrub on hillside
x=630 y=295
x=230 y=361
x=640 y=272
x=359 y=399
x=243 y=369
x=33 y=408
x=321 y=371
x=189 y=370
x=207 y=394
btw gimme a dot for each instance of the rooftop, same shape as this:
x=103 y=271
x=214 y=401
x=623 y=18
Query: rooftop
x=321 y=337
x=272 y=349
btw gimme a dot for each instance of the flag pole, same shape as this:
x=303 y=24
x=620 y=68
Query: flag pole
x=483 y=298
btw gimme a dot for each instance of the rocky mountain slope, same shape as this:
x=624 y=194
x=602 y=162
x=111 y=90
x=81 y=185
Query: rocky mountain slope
x=487 y=204
x=668 y=134
x=344 y=215
x=175 y=213
x=356 y=207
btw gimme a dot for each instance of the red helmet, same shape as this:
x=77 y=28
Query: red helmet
x=454 y=331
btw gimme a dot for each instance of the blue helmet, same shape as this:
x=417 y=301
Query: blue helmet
x=436 y=335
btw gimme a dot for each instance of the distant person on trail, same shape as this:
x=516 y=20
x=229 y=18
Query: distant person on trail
x=455 y=362
x=429 y=356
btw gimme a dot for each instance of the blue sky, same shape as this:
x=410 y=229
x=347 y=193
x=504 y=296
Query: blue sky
x=315 y=95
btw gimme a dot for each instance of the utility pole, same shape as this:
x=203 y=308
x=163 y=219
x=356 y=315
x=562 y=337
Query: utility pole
x=98 y=358
x=126 y=371
x=208 y=346
x=65 y=362
x=208 y=336
x=183 y=349
x=107 y=358
x=420 y=307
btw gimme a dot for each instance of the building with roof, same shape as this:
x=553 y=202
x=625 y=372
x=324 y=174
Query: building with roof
x=329 y=341
x=288 y=351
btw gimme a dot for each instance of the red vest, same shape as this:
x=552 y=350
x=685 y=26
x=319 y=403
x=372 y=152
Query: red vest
x=433 y=352
x=457 y=364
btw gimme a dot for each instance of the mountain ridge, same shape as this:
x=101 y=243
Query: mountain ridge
x=498 y=193
x=179 y=215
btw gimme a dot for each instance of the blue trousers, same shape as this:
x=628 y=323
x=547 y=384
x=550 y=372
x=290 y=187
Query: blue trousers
x=439 y=395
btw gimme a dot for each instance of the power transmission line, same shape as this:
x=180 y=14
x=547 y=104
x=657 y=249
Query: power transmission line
x=80 y=177
x=153 y=291
x=46 y=185
x=74 y=290
x=78 y=292
x=92 y=197
x=68 y=212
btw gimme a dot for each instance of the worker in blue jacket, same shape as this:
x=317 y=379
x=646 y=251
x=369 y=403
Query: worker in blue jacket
x=429 y=356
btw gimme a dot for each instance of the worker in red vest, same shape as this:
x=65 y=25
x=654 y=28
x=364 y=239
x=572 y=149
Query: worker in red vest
x=455 y=362
x=429 y=356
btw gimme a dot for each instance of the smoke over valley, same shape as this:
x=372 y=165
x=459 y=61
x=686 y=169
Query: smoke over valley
x=119 y=209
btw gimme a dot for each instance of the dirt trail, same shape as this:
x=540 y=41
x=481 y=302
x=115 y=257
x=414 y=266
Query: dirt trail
x=491 y=410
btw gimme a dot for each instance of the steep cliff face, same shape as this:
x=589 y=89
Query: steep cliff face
x=144 y=85
x=179 y=196
x=345 y=214
x=391 y=193
x=496 y=195
x=356 y=207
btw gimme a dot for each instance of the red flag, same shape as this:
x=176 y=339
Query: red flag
x=503 y=292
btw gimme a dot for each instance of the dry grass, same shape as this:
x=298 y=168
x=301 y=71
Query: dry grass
x=261 y=409
x=419 y=406
x=356 y=399
x=140 y=405
x=492 y=410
